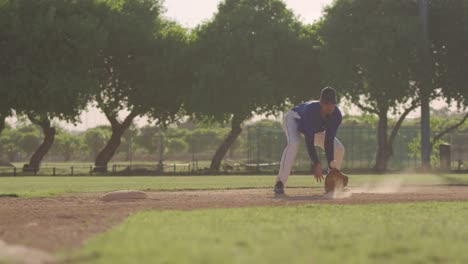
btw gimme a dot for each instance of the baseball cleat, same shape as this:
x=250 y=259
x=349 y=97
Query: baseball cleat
x=279 y=188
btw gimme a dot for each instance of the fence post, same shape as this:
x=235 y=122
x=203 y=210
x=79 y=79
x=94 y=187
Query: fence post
x=270 y=145
x=247 y=149
x=193 y=152
x=53 y=171
x=258 y=147
x=445 y=160
x=174 y=168
x=193 y=162
x=161 y=150
x=14 y=171
x=71 y=170
x=352 y=145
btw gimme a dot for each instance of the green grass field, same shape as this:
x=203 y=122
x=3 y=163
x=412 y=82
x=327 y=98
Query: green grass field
x=384 y=233
x=47 y=186
x=424 y=232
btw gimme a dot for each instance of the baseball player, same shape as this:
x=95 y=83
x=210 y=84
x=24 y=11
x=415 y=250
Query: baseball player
x=319 y=122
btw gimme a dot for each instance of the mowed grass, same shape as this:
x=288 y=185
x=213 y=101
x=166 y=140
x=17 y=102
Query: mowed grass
x=382 y=233
x=50 y=186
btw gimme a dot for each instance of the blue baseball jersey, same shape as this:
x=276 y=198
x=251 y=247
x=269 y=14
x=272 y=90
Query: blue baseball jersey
x=311 y=123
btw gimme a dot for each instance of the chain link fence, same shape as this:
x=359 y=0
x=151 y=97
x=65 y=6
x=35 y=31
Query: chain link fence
x=459 y=151
x=265 y=147
x=257 y=150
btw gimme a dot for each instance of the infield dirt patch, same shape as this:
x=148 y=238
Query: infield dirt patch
x=64 y=222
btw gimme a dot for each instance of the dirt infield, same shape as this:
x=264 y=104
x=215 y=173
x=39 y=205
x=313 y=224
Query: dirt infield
x=63 y=223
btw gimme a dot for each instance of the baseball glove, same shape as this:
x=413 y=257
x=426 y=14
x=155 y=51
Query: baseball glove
x=335 y=181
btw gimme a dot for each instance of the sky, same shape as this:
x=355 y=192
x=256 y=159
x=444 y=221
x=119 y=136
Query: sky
x=190 y=13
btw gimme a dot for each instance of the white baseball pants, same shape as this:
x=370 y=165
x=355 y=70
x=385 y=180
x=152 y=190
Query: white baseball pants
x=293 y=136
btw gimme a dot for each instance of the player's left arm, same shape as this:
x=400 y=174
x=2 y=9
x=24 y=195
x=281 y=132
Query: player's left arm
x=330 y=135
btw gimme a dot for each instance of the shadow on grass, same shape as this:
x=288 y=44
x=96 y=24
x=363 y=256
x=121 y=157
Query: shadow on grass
x=79 y=259
x=453 y=181
x=9 y=195
x=315 y=197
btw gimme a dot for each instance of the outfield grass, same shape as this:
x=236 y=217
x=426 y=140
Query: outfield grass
x=383 y=233
x=48 y=186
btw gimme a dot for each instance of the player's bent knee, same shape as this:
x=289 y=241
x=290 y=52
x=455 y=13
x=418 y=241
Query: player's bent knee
x=340 y=149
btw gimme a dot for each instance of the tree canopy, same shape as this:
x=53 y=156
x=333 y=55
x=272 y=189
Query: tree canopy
x=245 y=62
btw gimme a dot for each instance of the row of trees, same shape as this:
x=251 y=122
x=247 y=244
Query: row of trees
x=57 y=56
x=137 y=144
x=264 y=141
x=253 y=57
x=394 y=56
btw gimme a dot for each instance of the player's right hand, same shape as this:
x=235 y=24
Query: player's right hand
x=318 y=172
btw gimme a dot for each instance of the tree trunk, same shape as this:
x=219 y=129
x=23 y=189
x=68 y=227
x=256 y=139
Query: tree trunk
x=223 y=149
x=2 y=127
x=108 y=151
x=49 y=136
x=425 y=133
x=2 y=124
x=385 y=142
x=384 y=150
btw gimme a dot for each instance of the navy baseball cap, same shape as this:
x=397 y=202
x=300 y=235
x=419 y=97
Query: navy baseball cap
x=328 y=95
